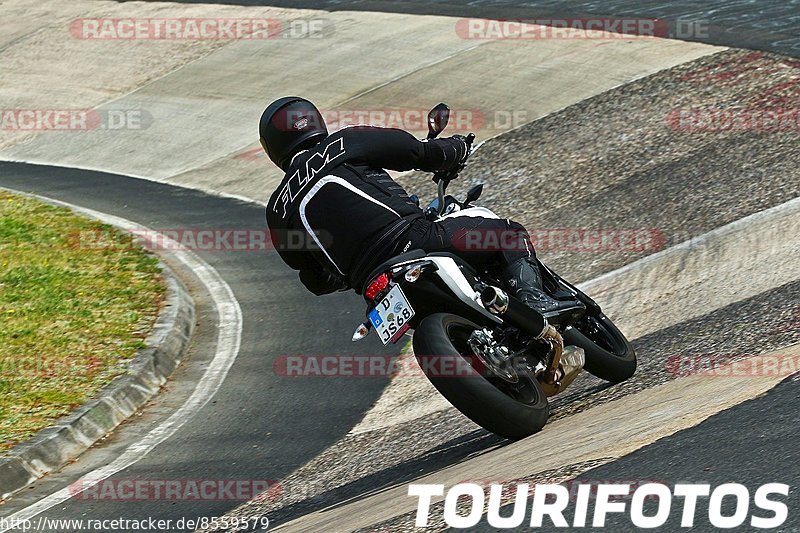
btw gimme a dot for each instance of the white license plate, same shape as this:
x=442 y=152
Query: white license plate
x=390 y=315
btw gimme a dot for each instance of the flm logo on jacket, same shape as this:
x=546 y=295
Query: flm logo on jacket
x=303 y=176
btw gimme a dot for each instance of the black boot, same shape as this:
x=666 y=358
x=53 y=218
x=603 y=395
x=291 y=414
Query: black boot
x=523 y=279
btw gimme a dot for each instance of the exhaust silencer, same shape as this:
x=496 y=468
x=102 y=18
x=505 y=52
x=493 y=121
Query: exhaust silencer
x=496 y=301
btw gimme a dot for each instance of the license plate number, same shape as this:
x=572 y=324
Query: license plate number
x=391 y=315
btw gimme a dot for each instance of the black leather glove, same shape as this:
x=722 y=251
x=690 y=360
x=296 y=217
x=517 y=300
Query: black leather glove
x=320 y=281
x=455 y=150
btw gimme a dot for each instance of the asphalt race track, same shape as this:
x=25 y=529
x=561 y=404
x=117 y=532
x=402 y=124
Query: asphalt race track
x=260 y=425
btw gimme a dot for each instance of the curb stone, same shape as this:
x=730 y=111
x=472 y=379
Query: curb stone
x=53 y=447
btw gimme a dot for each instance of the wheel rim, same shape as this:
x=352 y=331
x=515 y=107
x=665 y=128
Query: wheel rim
x=523 y=389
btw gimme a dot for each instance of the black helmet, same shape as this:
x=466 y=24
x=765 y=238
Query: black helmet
x=288 y=125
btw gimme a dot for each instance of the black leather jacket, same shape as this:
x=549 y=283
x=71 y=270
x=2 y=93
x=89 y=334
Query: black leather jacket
x=337 y=213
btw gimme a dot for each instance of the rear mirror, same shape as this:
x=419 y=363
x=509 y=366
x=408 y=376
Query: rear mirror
x=437 y=120
x=474 y=193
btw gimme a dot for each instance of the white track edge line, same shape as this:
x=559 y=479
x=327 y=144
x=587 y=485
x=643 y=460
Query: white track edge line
x=229 y=336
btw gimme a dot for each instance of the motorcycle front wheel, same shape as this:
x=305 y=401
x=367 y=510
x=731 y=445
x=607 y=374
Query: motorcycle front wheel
x=508 y=408
x=609 y=355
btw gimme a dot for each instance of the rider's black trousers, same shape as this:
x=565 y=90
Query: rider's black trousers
x=482 y=242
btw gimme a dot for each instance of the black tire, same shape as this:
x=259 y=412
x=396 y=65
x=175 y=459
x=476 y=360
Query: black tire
x=476 y=396
x=609 y=355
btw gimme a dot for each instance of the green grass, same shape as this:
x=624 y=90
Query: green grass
x=72 y=311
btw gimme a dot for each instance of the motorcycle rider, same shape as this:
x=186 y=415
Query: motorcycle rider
x=337 y=195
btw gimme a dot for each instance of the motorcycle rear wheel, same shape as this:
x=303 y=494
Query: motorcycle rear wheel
x=513 y=411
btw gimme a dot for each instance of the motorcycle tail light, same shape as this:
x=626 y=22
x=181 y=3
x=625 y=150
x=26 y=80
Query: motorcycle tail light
x=376 y=286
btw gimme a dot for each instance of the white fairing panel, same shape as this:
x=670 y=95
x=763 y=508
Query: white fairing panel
x=455 y=280
x=480 y=212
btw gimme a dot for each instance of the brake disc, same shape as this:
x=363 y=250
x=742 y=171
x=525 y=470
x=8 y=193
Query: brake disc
x=494 y=356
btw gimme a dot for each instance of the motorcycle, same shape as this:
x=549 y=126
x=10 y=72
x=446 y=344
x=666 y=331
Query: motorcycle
x=492 y=357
